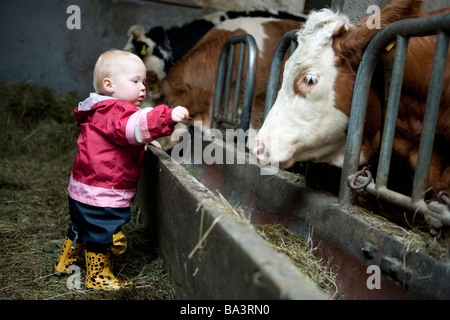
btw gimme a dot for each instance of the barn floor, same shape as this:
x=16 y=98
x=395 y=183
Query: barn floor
x=37 y=147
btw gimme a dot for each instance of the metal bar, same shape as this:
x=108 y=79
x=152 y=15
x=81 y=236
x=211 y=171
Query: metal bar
x=227 y=124
x=409 y=27
x=289 y=40
x=237 y=87
x=228 y=79
x=430 y=117
x=174 y=3
x=216 y=118
x=392 y=111
x=356 y=123
x=419 y=206
x=221 y=96
x=293 y=45
x=249 y=81
x=396 y=198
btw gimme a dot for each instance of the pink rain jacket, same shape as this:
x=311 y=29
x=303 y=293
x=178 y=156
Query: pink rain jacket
x=111 y=148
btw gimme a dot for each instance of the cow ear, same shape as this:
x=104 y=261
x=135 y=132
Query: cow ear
x=136 y=31
x=136 y=35
x=340 y=29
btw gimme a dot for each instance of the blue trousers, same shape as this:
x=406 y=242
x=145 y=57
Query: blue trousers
x=95 y=225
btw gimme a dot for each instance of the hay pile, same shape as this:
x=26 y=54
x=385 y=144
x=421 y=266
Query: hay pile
x=37 y=147
x=302 y=256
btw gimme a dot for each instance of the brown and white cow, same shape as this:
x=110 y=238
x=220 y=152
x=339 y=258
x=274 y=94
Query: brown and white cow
x=191 y=82
x=309 y=119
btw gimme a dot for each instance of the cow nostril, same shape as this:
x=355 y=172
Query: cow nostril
x=259 y=150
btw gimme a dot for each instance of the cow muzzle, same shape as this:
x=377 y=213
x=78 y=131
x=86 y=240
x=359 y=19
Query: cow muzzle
x=268 y=152
x=259 y=150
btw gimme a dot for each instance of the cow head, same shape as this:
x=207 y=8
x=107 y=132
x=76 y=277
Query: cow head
x=143 y=46
x=309 y=118
x=138 y=43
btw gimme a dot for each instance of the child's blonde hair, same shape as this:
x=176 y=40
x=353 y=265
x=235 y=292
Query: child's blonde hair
x=106 y=65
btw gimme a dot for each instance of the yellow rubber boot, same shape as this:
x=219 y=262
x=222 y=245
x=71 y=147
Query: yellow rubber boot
x=99 y=273
x=68 y=257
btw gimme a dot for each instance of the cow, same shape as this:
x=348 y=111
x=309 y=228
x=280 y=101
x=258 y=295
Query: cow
x=166 y=44
x=309 y=119
x=191 y=82
x=161 y=48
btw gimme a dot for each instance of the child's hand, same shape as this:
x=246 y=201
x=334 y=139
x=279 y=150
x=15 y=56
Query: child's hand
x=155 y=144
x=179 y=114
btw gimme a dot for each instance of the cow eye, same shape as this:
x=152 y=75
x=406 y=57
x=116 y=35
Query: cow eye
x=311 y=79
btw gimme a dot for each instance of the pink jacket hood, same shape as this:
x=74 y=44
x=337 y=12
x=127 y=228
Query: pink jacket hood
x=85 y=107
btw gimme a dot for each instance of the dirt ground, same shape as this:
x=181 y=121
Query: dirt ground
x=37 y=149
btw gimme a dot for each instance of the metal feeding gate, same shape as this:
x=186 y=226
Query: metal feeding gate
x=400 y=32
x=289 y=41
x=223 y=117
x=201 y=238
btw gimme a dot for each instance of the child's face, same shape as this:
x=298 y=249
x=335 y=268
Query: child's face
x=127 y=83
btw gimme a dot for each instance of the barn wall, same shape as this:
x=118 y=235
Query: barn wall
x=292 y=6
x=431 y=5
x=38 y=47
x=357 y=9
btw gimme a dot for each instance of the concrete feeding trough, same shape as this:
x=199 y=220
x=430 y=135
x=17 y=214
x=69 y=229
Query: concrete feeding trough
x=212 y=254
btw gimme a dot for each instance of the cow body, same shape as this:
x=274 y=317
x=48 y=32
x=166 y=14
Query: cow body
x=161 y=48
x=309 y=119
x=191 y=82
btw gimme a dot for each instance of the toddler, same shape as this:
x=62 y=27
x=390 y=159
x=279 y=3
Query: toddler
x=113 y=134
